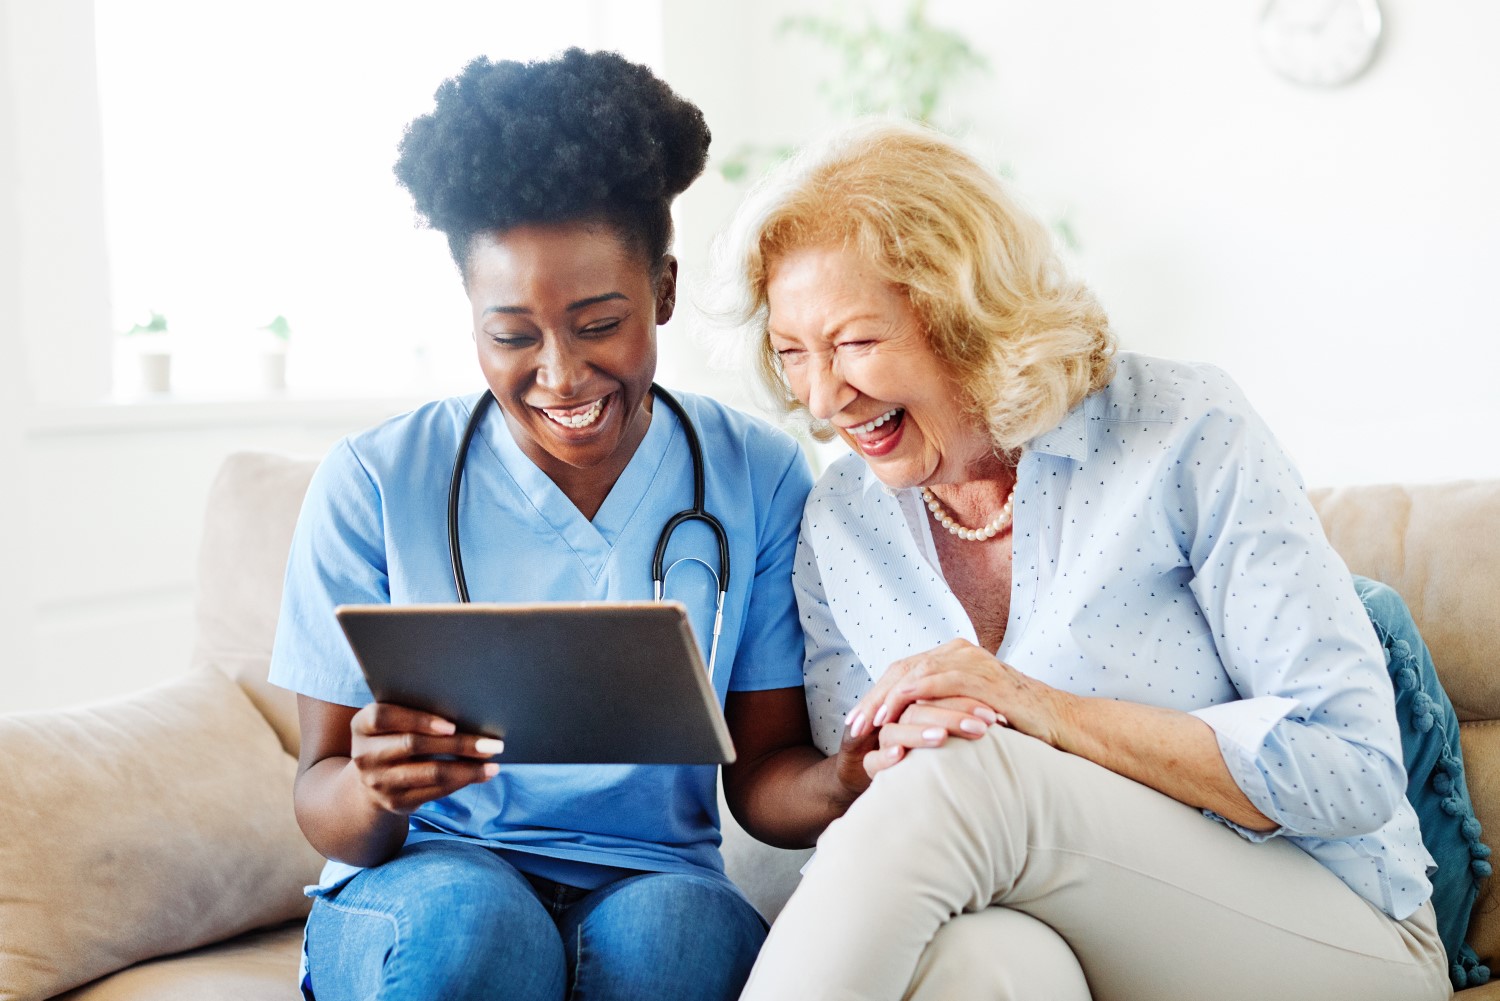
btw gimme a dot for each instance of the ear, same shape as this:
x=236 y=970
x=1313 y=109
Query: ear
x=666 y=289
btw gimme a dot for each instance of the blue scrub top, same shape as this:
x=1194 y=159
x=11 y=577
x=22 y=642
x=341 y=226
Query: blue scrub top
x=373 y=529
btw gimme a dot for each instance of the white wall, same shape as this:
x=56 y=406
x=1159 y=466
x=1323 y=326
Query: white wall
x=15 y=557
x=1335 y=250
x=63 y=286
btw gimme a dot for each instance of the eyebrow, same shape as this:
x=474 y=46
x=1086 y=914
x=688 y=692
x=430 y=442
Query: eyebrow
x=835 y=331
x=592 y=300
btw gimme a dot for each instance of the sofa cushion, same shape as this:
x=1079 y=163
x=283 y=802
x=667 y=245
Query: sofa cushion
x=1436 y=544
x=141 y=827
x=260 y=966
x=1436 y=783
x=247 y=531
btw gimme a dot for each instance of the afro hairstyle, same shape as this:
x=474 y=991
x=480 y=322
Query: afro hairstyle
x=583 y=136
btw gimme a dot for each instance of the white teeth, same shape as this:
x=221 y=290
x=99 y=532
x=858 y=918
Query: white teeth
x=872 y=425
x=578 y=420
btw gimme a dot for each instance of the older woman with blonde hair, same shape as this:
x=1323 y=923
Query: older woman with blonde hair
x=1126 y=729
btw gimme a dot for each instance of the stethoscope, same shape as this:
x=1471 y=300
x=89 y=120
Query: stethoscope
x=658 y=575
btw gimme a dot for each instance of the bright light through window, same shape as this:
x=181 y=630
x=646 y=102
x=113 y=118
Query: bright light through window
x=248 y=152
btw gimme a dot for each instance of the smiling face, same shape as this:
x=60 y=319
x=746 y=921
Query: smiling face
x=855 y=355
x=565 y=319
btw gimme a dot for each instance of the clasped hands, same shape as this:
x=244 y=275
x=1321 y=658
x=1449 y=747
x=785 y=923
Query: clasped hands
x=954 y=690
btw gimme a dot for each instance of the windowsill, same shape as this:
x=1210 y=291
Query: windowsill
x=179 y=412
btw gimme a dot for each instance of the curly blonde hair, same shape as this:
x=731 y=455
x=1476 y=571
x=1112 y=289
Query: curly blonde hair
x=1026 y=341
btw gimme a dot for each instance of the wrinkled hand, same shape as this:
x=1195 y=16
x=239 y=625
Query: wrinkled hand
x=397 y=749
x=922 y=700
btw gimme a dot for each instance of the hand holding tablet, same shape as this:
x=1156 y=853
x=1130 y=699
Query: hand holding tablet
x=407 y=757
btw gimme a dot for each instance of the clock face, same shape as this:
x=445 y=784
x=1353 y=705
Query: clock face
x=1320 y=42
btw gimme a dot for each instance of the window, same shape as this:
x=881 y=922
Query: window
x=247 y=159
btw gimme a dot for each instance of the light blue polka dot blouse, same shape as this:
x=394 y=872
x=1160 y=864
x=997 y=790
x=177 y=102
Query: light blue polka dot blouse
x=1164 y=553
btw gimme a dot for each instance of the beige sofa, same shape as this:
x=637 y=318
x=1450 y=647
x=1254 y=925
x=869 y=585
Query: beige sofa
x=149 y=849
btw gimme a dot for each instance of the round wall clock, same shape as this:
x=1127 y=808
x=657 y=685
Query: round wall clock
x=1320 y=43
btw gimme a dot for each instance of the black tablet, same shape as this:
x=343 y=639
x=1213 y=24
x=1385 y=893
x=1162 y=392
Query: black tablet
x=560 y=682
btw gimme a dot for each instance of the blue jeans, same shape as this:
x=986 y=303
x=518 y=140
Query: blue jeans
x=453 y=920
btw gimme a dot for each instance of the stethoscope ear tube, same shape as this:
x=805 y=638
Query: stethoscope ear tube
x=455 y=481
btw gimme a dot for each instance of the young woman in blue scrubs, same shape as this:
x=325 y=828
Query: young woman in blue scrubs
x=459 y=876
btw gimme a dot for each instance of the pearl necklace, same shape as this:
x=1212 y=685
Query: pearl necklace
x=942 y=517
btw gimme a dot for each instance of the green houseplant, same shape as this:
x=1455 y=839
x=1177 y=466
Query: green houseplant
x=905 y=69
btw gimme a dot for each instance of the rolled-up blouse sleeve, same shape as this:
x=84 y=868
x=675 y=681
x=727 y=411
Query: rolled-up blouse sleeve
x=1313 y=742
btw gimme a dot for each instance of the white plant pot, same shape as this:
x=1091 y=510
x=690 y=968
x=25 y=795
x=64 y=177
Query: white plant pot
x=156 y=371
x=273 y=371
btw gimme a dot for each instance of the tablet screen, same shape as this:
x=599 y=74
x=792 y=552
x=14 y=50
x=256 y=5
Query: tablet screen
x=559 y=682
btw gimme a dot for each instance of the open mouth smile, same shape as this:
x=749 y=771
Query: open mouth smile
x=576 y=418
x=881 y=436
x=866 y=428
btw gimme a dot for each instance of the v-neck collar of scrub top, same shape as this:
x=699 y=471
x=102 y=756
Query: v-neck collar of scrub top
x=594 y=540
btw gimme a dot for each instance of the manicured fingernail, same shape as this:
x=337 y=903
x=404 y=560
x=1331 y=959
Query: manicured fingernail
x=857 y=725
x=880 y=716
x=985 y=713
x=443 y=727
x=934 y=734
x=491 y=770
x=893 y=752
x=1001 y=720
x=489 y=745
x=972 y=726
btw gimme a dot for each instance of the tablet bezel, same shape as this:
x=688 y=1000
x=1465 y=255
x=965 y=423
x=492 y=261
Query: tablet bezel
x=552 y=698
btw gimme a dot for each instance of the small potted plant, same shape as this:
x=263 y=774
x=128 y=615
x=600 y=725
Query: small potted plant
x=152 y=348
x=273 y=357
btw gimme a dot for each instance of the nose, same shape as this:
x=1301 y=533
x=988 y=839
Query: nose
x=827 y=392
x=560 y=367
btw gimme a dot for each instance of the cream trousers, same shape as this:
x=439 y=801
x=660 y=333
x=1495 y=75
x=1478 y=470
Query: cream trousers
x=1070 y=881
